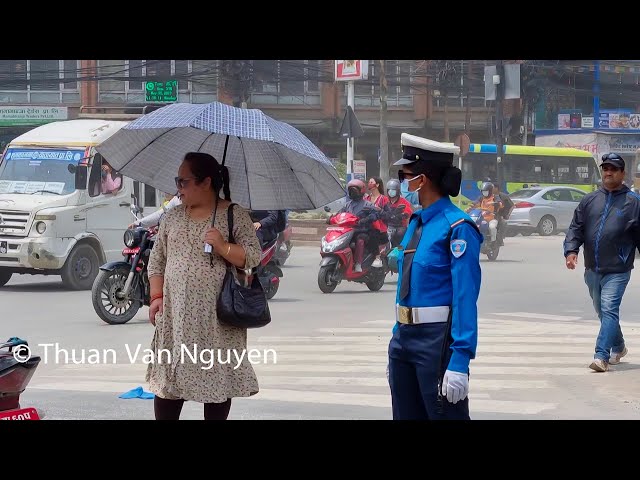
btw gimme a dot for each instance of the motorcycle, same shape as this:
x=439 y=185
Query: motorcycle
x=283 y=250
x=268 y=271
x=337 y=261
x=122 y=287
x=17 y=367
x=489 y=248
x=394 y=220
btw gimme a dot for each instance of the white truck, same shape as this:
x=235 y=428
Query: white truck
x=55 y=217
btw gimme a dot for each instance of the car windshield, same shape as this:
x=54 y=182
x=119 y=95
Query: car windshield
x=43 y=171
x=525 y=193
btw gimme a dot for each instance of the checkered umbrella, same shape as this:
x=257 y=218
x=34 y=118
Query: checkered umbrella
x=272 y=165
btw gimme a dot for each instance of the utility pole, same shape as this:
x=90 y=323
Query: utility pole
x=384 y=136
x=351 y=103
x=499 y=82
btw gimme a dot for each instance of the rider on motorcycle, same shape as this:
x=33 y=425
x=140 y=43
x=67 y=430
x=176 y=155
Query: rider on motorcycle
x=367 y=213
x=487 y=202
x=266 y=224
x=153 y=219
x=394 y=215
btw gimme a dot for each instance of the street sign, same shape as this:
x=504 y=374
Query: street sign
x=164 y=92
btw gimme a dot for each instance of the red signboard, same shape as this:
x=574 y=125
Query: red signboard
x=352 y=69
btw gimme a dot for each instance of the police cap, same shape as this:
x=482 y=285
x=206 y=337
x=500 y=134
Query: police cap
x=415 y=149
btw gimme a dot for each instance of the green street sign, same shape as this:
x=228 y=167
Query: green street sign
x=164 y=92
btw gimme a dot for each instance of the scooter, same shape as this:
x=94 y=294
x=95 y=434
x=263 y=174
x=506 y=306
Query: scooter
x=268 y=271
x=489 y=248
x=337 y=261
x=17 y=367
x=122 y=287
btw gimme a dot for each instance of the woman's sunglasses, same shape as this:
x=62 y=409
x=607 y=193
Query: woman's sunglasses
x=181 y=182
x=402 y=176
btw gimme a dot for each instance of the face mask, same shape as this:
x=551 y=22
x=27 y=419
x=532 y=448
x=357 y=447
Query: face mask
x=393 y=193
x=353 y=195
x=485 y=194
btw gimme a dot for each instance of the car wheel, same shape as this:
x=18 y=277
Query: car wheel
x=547 y=226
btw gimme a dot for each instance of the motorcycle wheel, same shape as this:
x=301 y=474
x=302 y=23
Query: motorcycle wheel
x=106 y=302
x=270 y=288
x=492 y=253
x=326 y=284
x=378 y=282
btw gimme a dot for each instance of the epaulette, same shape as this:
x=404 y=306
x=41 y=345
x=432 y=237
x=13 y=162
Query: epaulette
x=455 y=218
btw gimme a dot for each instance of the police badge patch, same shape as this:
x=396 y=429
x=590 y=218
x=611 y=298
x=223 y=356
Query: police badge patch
x=458 y=247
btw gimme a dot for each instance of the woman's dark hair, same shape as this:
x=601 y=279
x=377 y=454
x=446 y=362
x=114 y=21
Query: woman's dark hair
x=203 y=165
x=378 y=180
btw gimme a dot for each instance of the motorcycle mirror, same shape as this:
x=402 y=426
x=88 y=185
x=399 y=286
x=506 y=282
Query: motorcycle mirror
x=327 y=209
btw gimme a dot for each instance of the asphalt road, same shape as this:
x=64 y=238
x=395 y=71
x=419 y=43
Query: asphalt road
x=536 y=340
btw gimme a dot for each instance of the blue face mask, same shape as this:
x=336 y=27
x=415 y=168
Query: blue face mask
x=393 y=193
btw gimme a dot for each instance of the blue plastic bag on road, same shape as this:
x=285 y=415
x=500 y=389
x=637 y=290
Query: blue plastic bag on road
x=137 y=393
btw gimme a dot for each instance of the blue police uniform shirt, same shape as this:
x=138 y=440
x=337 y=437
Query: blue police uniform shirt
x=440 y=269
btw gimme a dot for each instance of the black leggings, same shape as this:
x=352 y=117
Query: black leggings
x=166 y=409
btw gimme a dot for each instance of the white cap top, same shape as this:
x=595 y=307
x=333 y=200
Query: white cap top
x=408 y=140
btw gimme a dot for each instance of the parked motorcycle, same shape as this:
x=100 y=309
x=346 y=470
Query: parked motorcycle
x=268 y=271
x=337 y=248
x=488 y=248
x=17 y=367
x=122 y=287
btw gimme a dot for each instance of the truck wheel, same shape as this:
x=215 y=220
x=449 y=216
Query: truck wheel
x=5 y=276
x=81 y=268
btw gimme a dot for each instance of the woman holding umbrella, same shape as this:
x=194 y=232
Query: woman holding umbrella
x=185 y=284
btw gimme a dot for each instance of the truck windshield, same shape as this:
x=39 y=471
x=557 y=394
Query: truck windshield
x=39 y=171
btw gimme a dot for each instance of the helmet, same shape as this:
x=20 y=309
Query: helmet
x=487 y=189
x=393 y=187
x=356 y=188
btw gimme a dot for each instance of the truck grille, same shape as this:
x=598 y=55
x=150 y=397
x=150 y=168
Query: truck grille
x=14 y=223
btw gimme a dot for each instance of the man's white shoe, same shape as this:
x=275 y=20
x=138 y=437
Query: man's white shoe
x=616 y=357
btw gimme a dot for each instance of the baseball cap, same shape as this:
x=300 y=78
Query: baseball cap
x=613 y=159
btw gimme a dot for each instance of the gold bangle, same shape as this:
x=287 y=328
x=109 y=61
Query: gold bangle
x=228 y=249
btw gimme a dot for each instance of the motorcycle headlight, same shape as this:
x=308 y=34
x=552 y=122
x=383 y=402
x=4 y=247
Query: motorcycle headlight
x=337 y=244
x=132 y=238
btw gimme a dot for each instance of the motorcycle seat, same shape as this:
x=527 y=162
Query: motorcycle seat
x=8 y=362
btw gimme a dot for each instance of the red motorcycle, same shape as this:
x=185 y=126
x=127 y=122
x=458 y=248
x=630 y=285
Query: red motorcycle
x=338 y=246
x=17 y=366
x=268 y=271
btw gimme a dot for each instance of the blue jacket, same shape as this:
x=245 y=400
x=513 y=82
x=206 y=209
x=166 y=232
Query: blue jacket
x=608 y=225
x=439 y=278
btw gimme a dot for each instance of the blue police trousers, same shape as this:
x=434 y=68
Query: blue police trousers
x=414 y=359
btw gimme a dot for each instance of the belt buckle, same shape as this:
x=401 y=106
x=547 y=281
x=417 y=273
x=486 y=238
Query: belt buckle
x=405 y=315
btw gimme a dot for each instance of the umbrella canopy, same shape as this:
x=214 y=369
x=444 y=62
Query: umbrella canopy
x=272 y=165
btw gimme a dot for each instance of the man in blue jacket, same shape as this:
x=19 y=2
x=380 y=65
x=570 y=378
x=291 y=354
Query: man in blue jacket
x=606 y=222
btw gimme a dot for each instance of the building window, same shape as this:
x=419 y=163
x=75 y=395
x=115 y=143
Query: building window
x=39 y=81
x=286 y=82
x=398 y=74
x=122 y=81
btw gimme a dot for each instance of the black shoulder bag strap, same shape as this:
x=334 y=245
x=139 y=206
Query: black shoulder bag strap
x=447 y=334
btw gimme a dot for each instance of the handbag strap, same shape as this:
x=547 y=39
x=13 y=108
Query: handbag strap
x=230 y=237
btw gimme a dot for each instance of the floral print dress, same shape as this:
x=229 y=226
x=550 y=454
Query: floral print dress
x=188 y=328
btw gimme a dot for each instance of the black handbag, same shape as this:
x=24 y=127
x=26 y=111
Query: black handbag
x=240 y=304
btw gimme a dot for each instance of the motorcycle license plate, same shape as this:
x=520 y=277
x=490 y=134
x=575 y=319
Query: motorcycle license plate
x=20 y=414
x=130 y=251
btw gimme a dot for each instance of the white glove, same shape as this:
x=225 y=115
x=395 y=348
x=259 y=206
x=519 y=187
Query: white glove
x=455 y=386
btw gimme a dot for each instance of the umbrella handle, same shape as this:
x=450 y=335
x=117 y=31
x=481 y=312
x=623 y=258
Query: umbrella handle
x=224 y=155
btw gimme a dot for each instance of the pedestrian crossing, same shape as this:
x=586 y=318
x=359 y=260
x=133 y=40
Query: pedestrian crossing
x=527 y=365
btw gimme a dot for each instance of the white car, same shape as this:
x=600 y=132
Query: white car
x=545 y=210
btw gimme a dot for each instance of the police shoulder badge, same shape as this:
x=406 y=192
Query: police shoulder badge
x=458 y=247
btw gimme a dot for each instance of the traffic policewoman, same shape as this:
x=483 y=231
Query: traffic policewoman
x=436 y=330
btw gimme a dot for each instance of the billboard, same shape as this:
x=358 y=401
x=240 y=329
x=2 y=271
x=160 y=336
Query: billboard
x=346 y=70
